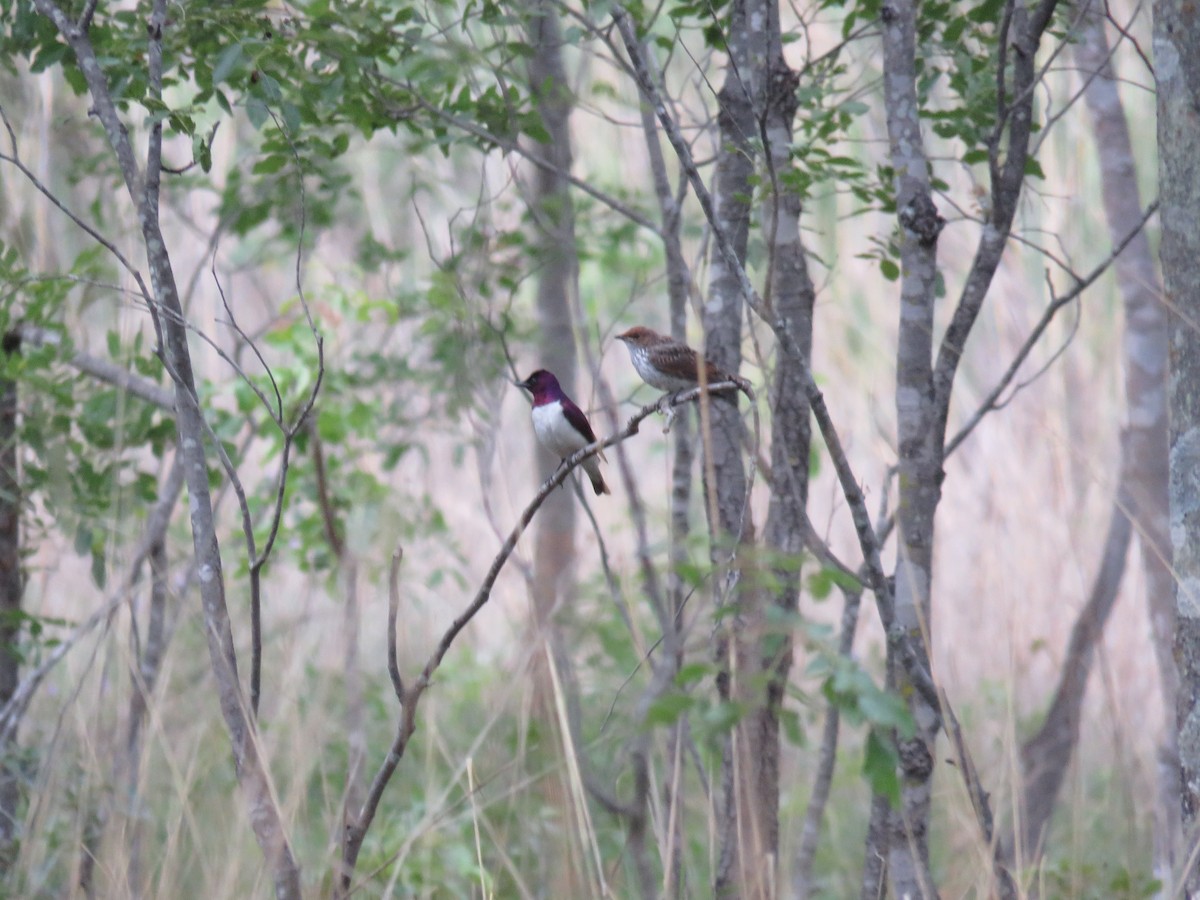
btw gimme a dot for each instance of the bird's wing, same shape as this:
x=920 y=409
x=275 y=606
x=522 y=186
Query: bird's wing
x=676 y=360
x=578 y=420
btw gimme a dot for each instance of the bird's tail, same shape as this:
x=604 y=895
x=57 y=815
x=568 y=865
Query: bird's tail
x=598 y=485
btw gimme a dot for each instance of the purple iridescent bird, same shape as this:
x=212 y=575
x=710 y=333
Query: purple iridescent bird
x=560 y=425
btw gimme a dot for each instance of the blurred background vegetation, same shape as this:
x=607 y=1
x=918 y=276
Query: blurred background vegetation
x=371 y=162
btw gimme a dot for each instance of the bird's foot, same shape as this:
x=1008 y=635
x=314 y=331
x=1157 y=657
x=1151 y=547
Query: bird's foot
x=561 y=464
x=670 y=419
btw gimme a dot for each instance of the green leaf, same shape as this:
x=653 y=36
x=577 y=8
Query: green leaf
x=99 y=569
x=879 y=768
x=256 y=112
x=202 y=152
x=690 y=673
x=226 y=62
x=668 y=708
x=269 y=165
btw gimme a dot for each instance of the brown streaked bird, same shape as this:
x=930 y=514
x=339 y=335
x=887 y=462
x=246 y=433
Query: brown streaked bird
x=670 y=365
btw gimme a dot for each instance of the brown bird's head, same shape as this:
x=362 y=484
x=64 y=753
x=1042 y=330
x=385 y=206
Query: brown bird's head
x=641 y=336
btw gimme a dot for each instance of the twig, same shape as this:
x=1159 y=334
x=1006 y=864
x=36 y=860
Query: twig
x=1057 y=303
x=393 y=608
x=979 y=801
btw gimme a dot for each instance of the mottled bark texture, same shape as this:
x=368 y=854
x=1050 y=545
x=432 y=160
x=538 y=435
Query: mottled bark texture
x=920 y=444
x=1140 y=506
x=1177 y=73
x=746 y=648
x=11 y=590
x=142 y=185
x=791 y=293
x=924 y=386
x=553 y=217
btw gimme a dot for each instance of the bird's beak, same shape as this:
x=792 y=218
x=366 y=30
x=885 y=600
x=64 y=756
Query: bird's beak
x=524 y=384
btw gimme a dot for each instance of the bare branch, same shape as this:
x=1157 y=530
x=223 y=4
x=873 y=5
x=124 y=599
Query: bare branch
x=512 y=146
x=991 y=401
x=393 y=608
x=104 y=370
x=14 y=159
x=410 y=698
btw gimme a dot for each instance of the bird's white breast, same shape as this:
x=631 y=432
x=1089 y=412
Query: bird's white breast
x=554 y=432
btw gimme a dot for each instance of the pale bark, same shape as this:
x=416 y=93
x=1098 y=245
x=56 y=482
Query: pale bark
x=1177 y=73
x=679 y=281
x=919 y=444
x=553 y=214
x=552 y=211
x=792 y=295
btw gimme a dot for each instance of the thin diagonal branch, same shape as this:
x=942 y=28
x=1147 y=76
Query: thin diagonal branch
x=356 y=830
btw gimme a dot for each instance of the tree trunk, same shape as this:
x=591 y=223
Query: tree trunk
x=748 y=808
x=679 y=282
x=1177 y=73
x=920 y=445
x=792 y=294
x=553 y=216
x=11 y=591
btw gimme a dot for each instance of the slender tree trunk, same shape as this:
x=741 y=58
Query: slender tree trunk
x=1145 y=439
x=679 y=281
x=748 y=819
x=791 y=292
x=149 y=663
x=1177 y=73
x=554 y=218
x=553 y=215
x=1046 y=756
x=919 y=443
x=11 y=591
